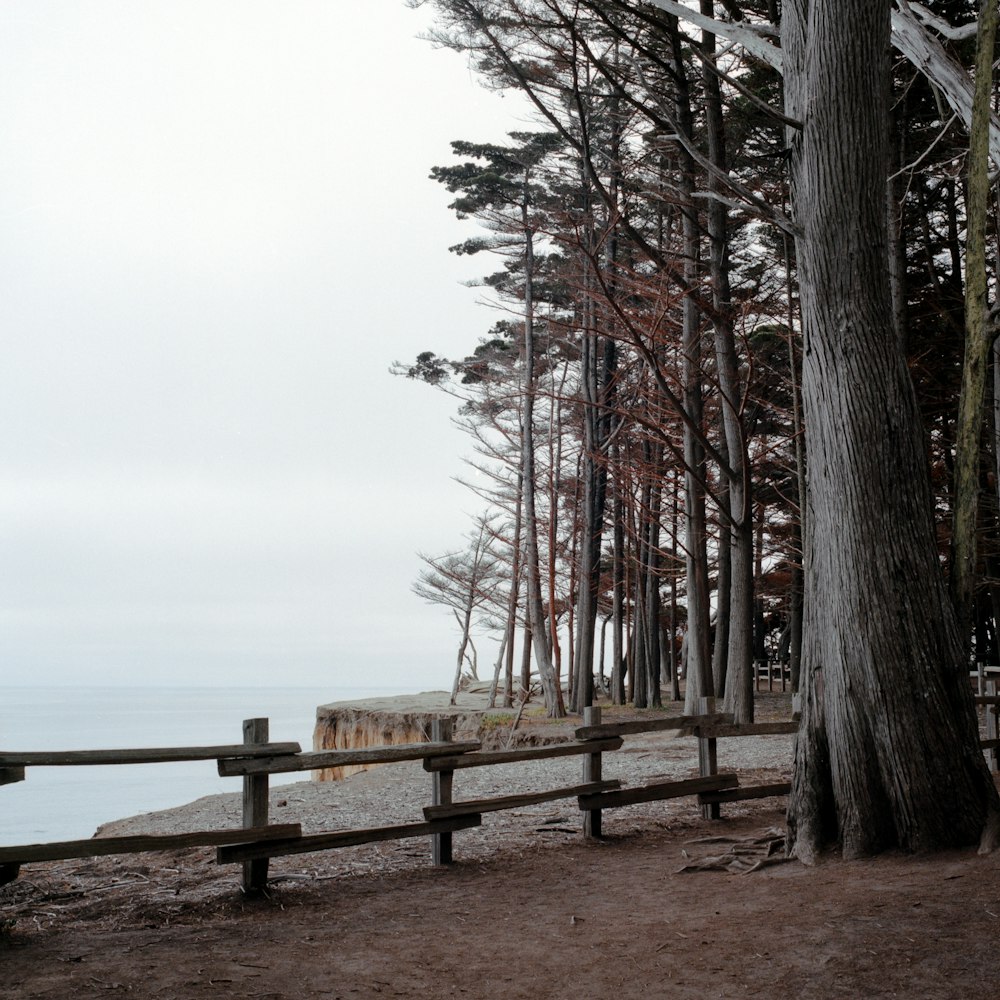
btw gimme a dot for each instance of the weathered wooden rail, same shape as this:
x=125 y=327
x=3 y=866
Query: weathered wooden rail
x=255 y=827
x=257 y=840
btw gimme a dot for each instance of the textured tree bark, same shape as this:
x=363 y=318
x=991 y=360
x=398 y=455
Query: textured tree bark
x=968 y=428
x=642 y=643
x=698 y=679
x=723 y=587
x=618 y=597
x=652 y=601
x=888 y=753
x=738 y=689
x=533 y=584
x=598 y=365
x=796 y=598
x=591 y=528
x=512 y=601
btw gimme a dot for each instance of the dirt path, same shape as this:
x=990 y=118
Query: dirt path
x=611 y=919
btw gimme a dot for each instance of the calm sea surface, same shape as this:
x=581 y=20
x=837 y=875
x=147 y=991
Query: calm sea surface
x=69 y=803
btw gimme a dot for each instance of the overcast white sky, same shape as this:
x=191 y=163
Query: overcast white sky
x=216 y=234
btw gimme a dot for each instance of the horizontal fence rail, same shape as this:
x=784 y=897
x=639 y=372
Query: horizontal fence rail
x=95 y=847
x=316 y=760
x=490 y=757
x=79 y=758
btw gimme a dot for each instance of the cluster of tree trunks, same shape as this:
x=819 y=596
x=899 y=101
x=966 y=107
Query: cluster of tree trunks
x=699 y=234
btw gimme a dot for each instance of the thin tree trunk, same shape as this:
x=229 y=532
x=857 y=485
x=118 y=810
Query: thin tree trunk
x=968 y=429
x=653 y=667
x=739 y=672
x=497 y=668
x=465 y=622
x=526 y=661
x=675 y=689
x=512 y=601
x=642 y=644
x=536 y=610
x=618 y=596
x=723 y=589
x=699 y=671
x=591 y=527
x=798 y=527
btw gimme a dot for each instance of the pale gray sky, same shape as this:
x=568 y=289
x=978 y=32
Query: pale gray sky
x=216 y=234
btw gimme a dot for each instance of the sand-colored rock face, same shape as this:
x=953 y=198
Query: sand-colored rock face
x=370 y=722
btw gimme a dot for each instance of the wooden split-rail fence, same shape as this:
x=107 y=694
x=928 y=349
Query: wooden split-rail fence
x=255 y=759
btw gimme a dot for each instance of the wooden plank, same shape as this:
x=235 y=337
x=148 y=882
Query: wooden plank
x=682 y=723
x=657 y=790
x=255 y=732
x=989 y=744
x=441 y=788
x=749 y=792
x=342 y=838
x=317 y=759
x=95 y=847
x=140 y=755
x=593 y=767
x=8 y=775
x=515 y=801
x=724 y=730
x=708 y=758
x=986 y=699
x=490 y=757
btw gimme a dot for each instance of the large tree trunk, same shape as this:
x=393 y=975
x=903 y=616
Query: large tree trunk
x=888 y=753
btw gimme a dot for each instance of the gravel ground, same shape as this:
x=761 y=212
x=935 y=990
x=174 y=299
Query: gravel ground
x=397 y=793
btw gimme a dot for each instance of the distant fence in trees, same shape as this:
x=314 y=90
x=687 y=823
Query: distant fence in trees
x=253 y=760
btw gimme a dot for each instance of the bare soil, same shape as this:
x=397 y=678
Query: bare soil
x=597 y=919
x=529 y=909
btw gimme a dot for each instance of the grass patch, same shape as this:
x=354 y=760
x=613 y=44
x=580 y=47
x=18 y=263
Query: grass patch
x=496 y=720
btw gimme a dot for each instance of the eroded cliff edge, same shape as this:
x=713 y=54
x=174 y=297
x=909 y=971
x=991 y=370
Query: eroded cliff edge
x=390 y=721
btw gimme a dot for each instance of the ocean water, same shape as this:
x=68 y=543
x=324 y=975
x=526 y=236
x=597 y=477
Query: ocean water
x=69 y=803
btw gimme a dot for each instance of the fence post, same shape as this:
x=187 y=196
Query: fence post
x=441 y=794
x=992 y=727
x=592 y=772
x=255 y=793
x=708 y=763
